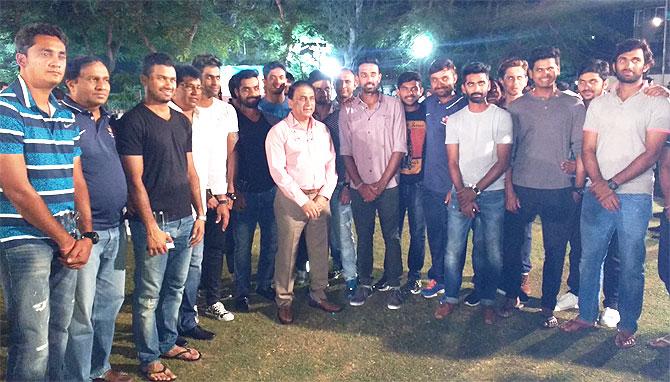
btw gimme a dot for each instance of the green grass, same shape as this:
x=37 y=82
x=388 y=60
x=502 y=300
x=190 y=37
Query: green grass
x=372 y=343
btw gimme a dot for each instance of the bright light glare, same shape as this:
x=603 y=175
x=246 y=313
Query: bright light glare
x=422 y=46
x=657 y=21
x=331 y=66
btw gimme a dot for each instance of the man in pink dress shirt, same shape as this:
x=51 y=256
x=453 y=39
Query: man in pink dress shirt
x=301 y=158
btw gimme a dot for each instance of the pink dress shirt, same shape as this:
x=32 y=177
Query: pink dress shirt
x=301 y=159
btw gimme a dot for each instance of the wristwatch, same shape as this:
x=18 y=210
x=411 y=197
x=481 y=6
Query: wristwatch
x=476 y=189
x=202 y=218
x=231 y=195
x=612 y=184
x=91 y=235
x=223 y=201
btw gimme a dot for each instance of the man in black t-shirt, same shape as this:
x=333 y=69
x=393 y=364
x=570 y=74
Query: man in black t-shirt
x=255 y=192
x=410 y=91
x=154 y=142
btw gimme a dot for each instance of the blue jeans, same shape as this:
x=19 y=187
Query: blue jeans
x=259 y=210
x=159 y=285
x=487 y=246
x=597 y=228
x=98 y=299
x=187 y=309
x=436 y=227
x=411 y=200
x=664 y=252
x=342 y=235
x=36 y=288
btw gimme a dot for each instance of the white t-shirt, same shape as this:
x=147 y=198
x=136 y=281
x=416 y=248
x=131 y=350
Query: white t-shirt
x=477 y=135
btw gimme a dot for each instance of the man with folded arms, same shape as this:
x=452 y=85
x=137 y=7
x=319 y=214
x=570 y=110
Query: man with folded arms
x=301 y=158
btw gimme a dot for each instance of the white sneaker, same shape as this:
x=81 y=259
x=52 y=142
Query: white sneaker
x=567 y=301
x=609 y=318
x=219 y=312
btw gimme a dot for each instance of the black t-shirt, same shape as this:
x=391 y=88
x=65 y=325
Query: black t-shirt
x=253 y=171
x=411 y=167
x=163 y=146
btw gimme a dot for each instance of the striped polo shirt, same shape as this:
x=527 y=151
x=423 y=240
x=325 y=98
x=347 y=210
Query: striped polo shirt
x=49 y=145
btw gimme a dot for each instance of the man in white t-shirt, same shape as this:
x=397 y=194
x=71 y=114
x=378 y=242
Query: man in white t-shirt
x=479 y=145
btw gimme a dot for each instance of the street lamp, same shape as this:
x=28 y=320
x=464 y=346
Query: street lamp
x=656 y=21
x=422 y=46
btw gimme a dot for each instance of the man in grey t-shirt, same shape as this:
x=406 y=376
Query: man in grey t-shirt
x=547 y=129
x=624 y=134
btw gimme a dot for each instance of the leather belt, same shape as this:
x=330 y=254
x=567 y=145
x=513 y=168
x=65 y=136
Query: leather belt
x=310 y=192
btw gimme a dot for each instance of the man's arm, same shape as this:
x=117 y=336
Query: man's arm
x=664 y=179
x=231 y=163
x=78 y=257
x=599 y=187
x=156 y=238
x=194 y=183
x=390 y=171
x=503 y=151
x=17 y=188
x=653 y=145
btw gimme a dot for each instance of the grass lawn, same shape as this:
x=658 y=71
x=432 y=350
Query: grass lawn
x=372 y=343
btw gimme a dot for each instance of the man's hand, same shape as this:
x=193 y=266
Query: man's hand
x=605 y=196
x=156 y=240
x=345 y=196
x=576 y=196
x=321 y=202
x=197 y=233
x=466 y=196
x=469 y=209
x=223 y=216
x=512 y=203
x=311 y=209
x=77 y=257
x=378 y=187
x=447 y=199
x=367 y=192
x=569 y=167
x=657 y=90
x=611 y=202
x=212 y=203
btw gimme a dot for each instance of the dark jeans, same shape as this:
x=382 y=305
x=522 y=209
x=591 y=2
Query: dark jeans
x=611 y=267
x=556 y=208
x=212 y=264
x=364 y=219
x=435 y=212
x=411 y=200
x=259 y=210
x=664 y=252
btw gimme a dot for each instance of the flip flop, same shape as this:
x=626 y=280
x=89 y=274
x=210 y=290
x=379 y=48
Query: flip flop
x=150 y=375
x=180 y=356
x=624 y=340
x=575 y=325
x=660 y=342
x=550 y=322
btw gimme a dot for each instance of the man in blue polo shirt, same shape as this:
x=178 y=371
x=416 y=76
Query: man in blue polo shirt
x=41 y=185
x=100 y=284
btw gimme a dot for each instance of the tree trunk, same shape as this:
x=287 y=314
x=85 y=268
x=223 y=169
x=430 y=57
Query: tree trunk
x=281 y=10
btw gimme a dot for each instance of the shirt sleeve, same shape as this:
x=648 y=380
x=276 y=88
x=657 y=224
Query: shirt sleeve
x=504 y=133
x=577 y=133
x=129 y=136
x=660 y=117
x=11 y=131
x=77 y=141
x=451 y=131
x=276 y=154
x=399 y=128
x=345 y=133
x=331 y=173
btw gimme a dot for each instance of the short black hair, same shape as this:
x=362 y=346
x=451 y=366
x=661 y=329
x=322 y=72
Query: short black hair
x=74 y=67
x=290 y=78
x=601 y=67
x=633 y=44
x=272 y=65
x=25 y=37
x=407 y=77
x=476 y=68
x=298 y=85
x=544 y=53
x=368 y=60
x=184 y=71
x=512 y=62
x=236 y=80
x=440 y=64
x=203 y=60
x=317 y=75
x=152 y=59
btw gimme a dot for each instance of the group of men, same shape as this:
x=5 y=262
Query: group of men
x=186 y=169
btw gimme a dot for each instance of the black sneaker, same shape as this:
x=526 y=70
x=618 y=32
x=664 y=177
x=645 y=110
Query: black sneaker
x=412 y=286
x=395 y=299
x=381 y=285
x=523 y=298
x=268 y=293
x=242 y=304
x=362 y=293
x=198 y=333
x=472 y=299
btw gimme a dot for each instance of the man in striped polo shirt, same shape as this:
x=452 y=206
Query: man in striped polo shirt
x=41 y=185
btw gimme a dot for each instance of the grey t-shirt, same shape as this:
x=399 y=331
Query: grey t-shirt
x=546 y=132
x=477 y=135
x=622 y=127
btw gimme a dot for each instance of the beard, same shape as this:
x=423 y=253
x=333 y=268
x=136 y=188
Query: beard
x=476 y=98
x=628 y=80
x=371 y=88
x=251 y=102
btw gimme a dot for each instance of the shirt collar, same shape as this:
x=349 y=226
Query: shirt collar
x=26 y=99
x=74 y=106
x=293 y=123
x=615 y=93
